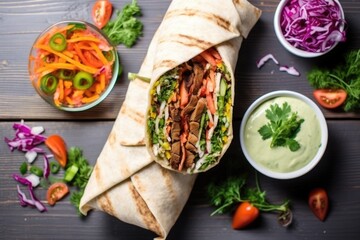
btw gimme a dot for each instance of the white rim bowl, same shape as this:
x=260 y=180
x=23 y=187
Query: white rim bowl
x=286 y=44
x=320 y=152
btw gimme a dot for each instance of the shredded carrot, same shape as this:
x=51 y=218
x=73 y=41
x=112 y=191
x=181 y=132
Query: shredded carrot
x=214 y=53
x=99 y=53
x=61 y=89
x=78 y=64
x=56 y=66
x=68 y=53
x=208 y=57
x=90 y=99
x=102 y=80
x=85 y=38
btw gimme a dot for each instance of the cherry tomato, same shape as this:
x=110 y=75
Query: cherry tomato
x=319 y=203
x=56 y=192
x=101 y=13
x=57 y=146
x=330 y=98
x=245 y=214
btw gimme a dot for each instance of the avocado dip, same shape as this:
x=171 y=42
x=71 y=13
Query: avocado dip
x=281 y=159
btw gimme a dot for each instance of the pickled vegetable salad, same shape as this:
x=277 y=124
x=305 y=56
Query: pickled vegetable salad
x=190 y=114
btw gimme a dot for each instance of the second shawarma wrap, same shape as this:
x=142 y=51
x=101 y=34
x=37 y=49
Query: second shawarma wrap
x=189 y=115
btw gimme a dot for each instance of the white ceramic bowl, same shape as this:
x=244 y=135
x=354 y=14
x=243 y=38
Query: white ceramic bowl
x=290 y=47
x=323 y=139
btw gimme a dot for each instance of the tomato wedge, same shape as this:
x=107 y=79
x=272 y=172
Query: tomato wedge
x=330 y=98
x=56 y=192
x=101 y=13
x=319 y=203
x=57 y=146
x=245 y=214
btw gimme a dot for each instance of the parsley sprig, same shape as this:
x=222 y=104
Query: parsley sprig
x=282 y=128
x=345 y=76
x=126 y=28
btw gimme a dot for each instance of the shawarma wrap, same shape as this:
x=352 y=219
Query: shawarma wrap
x=126 y=181
x=191 y=96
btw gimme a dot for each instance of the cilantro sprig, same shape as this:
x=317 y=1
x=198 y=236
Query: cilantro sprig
x=126 y=28
x=282 y=127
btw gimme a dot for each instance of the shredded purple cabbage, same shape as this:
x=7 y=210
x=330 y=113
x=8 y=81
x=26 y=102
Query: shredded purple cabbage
x=313 y=25
x=25 y=140
x=24 y=201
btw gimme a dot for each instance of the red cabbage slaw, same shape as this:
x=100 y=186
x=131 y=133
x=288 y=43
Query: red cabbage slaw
x=313 y=25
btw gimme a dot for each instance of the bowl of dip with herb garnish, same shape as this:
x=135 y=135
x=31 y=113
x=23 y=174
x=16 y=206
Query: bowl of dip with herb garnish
x=283 y=134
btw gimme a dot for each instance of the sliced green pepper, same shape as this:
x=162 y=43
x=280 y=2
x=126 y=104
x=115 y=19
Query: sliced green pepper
x=54 y=167
x=23 y=168
x=76 y=26
x=48 y=84
x=37 y=171
x=83 y=80
x=66 y=74
x=58 y=42
x=109 y=55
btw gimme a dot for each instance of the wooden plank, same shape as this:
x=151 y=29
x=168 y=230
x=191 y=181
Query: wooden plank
x=337 y=172
x=22 y=22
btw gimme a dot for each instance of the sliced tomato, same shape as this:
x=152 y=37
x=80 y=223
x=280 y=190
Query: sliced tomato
x=319 y=203
x=330 y=98
x=56 y=192
x=57 y=146
x=101 y=13
x=245 y=214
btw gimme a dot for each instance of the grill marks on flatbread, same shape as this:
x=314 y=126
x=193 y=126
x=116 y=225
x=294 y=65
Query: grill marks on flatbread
x=188 y=41
x=142 y=208
x=138 y=117
x=105 y=203
x=214 y=18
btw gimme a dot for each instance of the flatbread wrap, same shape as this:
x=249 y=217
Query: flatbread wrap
x=191 y=96
x=126 y=181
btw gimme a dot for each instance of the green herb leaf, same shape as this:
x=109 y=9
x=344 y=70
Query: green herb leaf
x=282 y=128
x=126 y=28
x=81 y=177
x=228 y=194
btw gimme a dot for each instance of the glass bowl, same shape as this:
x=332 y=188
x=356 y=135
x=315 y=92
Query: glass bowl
x=280 y=162
x=73 y=66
